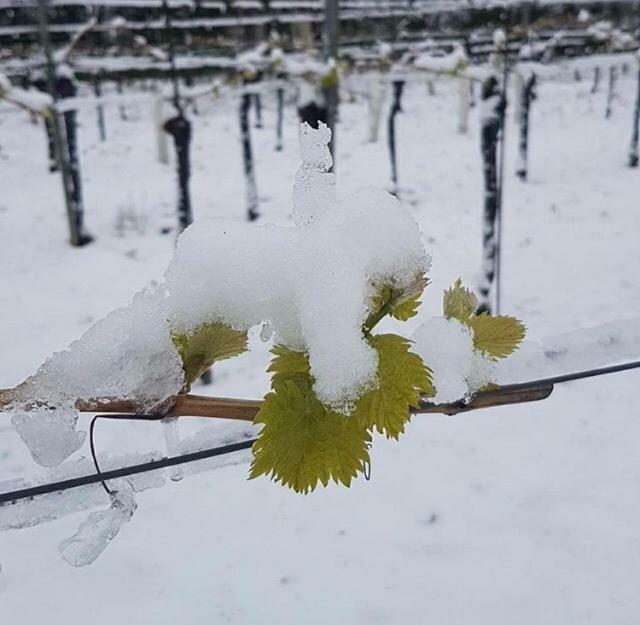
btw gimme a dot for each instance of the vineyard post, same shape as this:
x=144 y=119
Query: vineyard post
x=279 y=114
x=97 y=90
x=613 y=74
x=633 y=149
x=59 y=142
x=330 y=43
x=247 y=157
x=526 y=95
x=396 y=107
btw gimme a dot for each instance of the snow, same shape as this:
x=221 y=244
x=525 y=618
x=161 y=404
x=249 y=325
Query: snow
x=446 y=345
x=127 y=355
x=522 y=514
x=311 y=282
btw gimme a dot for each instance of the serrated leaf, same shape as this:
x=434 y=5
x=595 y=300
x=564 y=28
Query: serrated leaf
x=303 y=443
x=459 y=302
x=208 y=343
x=288 y=364
x=402 y=378
x=400 y=303
x=496 y=336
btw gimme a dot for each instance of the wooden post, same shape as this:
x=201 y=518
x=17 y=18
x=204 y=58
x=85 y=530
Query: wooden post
x=633 y=149
x=330 y=44
x=396 y=107
x=61 y=151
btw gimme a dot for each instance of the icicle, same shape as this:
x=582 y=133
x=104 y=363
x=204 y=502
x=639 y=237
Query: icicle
x=314 y=190
x=174 y=448
x=99 y=528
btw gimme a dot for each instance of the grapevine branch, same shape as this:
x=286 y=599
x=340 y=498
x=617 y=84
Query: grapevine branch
x=187 y=405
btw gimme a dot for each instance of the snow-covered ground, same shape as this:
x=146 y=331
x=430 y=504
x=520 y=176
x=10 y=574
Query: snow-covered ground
x=526 y=514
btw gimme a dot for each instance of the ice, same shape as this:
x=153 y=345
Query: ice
x=49 y=434
x=311 y=282
x=610 y=343
x=99 y=528
x=174 y=448
x=446 y=346
x=314 y=191
x=46 y=508
x=128 y=354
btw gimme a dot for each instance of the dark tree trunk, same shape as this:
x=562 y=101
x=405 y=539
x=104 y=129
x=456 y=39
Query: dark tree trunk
x=396 y=107
x=633 y=149
x=279 y=117
x=179 y=127
x=596 y=80
x=257 y=100
x=527 y=95
x=247 y=157
x=493 y=103
x=613 y=74
x=97 y=90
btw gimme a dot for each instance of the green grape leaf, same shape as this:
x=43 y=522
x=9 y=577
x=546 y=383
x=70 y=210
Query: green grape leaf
x=208 y=343
x=399 y=303
x=496 y=336
x=402 y=378
x=288 y=364
x=459 y=302
x=303 y=443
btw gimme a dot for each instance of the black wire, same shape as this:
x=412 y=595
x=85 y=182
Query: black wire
x=93 y=453
x=85 y=480
x=570 y=377
x=43 y=489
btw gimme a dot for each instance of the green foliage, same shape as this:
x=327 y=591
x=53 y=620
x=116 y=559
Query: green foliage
x=459 y=302
x=402 y=377
x=288 y=364
x=208 y=343
x=399 y=303
x=303 y=442
x=496 y=336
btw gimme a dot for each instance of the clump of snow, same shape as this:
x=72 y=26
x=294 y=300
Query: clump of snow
x=314 y=189
x=454 y=61
x=99 y=529
x=128 y=354
x=27 y=98
x=446 y=346
x=311 y=282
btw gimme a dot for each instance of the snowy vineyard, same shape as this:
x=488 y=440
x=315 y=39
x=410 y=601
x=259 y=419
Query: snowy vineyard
x=327 y=325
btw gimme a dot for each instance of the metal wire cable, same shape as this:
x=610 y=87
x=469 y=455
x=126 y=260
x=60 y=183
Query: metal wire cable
x=102 y=477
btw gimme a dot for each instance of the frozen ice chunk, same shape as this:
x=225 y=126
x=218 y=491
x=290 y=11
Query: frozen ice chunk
x=50 y=435
x=128 y=354
x=311 y=282
x=174 y=448
x=314 y=191
x=446 y=346
x=99 y=528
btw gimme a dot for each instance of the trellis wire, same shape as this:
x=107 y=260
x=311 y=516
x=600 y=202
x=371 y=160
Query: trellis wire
x=102 y=477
